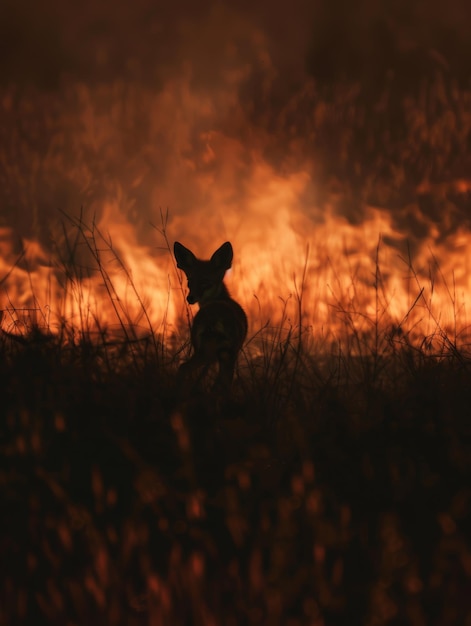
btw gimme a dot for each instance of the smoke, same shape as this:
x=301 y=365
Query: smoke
x=42 y=41
x=205 y=109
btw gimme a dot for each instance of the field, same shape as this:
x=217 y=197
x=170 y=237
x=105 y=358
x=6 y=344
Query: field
x=334 y=486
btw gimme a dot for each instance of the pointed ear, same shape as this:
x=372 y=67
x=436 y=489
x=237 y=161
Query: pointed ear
x=222 y=258
x=185 y=257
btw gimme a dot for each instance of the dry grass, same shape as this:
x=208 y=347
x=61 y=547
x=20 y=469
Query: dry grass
x=333 y=488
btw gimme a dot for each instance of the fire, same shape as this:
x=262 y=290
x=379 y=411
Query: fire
x=130 y=153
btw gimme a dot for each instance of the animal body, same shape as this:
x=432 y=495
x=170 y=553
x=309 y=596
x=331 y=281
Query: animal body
x=220 y=326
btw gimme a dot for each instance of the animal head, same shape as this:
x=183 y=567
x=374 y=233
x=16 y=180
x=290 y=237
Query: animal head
x=204 y=277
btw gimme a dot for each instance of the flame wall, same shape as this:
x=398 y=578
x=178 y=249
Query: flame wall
x=304 y=138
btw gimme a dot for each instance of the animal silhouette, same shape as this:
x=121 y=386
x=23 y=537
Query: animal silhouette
x=220 y=326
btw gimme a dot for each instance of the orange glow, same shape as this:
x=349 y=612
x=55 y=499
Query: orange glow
x=299 y=262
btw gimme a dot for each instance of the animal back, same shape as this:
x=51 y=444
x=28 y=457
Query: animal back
x=222 y=323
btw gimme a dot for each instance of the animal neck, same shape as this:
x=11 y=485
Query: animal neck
x=219 y=292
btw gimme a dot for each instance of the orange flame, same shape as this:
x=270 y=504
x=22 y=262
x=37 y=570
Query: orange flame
x=297 y=259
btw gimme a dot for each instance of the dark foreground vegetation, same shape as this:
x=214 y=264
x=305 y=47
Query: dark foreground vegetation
x=326 y=491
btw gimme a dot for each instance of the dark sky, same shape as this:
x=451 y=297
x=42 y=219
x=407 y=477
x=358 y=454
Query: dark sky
x=39 y=41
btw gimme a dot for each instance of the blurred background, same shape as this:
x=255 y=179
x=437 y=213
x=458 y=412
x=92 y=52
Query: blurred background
x=42 y=41
x=267 y=126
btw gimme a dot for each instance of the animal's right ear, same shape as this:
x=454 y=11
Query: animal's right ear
x=222 y=258
x=185 y=257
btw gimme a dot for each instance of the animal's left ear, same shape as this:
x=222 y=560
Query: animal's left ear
x=222 y=258
x=185 y=257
